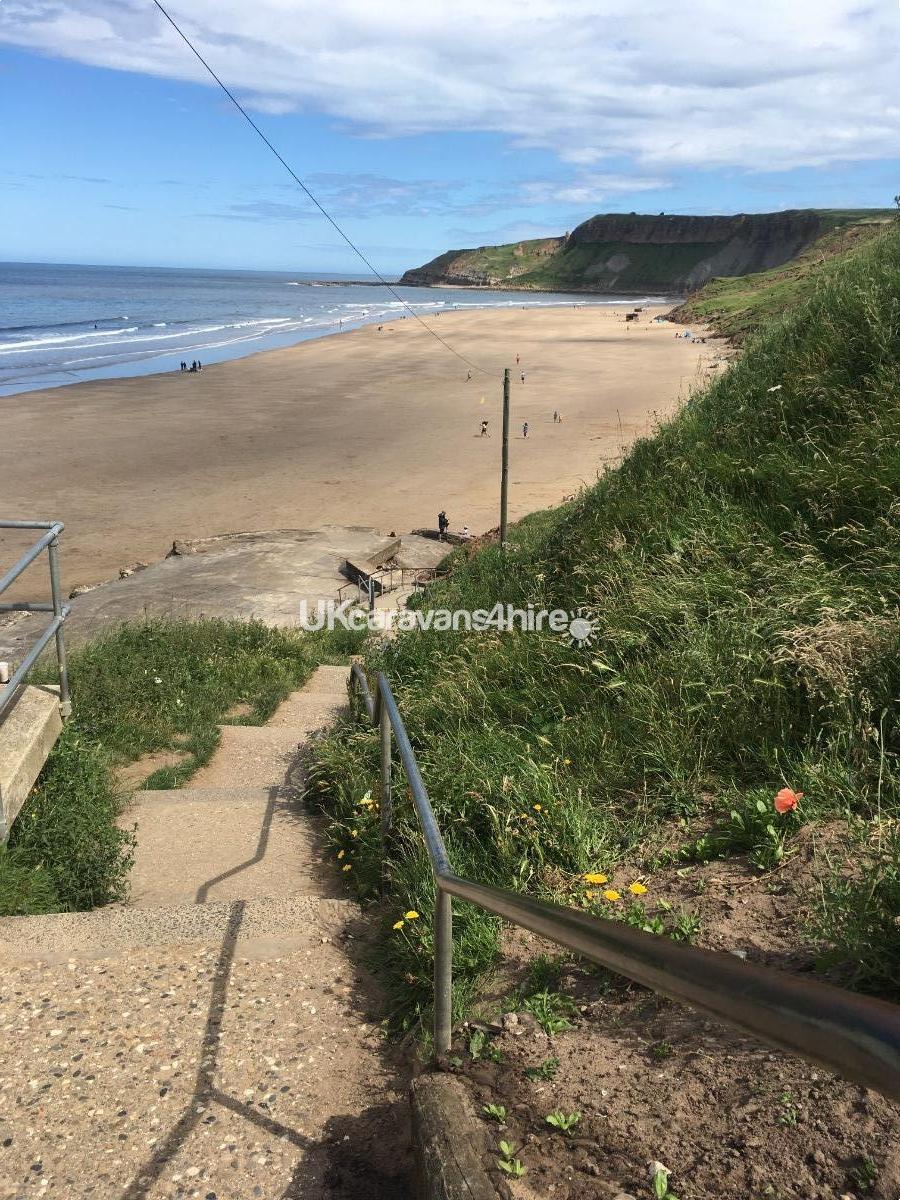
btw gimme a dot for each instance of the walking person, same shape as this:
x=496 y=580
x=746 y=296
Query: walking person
x=525 y=430
x=484 y=428
x=443 y=526
x=523 y=376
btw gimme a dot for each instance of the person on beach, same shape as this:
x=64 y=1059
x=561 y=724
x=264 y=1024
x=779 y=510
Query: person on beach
x=466 y=533
x=517 y=360
x=443 y=526
x=468 y=377
x=484 y=427
x=525 y=430
x=556 y=416
x=523 y=376
x=199 y=365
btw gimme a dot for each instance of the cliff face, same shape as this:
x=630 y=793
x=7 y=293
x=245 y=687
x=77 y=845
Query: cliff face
x=632 y=253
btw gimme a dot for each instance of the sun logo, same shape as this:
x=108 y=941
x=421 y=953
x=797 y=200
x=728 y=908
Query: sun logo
x=581 y=629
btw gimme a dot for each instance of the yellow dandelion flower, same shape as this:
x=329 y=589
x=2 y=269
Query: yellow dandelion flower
x=346 y=867
x=567 y=762
x=589 y=895
x=637 y=889
x=537 y=808
x=595 y=877
x=412 y=915
x=354 y=833
x=398 y=925
x=611 y=894
x=341 y=853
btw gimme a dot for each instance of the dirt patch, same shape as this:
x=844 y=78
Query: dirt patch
x=654 y=1081
x=131 y=776
x=651 y=1080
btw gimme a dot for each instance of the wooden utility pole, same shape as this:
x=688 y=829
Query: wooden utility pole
x=504 y=460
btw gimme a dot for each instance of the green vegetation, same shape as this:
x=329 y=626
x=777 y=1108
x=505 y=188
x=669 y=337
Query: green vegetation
x=739 y=306
x=163 y=685
x=740 y=569
x=637 y=253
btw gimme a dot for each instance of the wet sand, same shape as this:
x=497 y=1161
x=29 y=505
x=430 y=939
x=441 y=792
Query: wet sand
x=367 y=428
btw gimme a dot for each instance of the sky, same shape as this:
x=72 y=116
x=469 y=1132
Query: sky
x=423 y=125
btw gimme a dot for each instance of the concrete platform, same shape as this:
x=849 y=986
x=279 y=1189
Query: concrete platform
x=262 y=575
x=28 y=732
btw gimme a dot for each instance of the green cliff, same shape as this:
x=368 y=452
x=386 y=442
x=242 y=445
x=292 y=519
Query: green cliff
x=638 y=254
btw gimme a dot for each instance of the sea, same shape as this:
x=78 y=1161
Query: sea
x=64 y=324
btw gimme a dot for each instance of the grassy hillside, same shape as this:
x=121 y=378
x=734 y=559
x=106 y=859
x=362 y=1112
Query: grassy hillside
x=740 y=568
x=640 y=253
x=737 y=307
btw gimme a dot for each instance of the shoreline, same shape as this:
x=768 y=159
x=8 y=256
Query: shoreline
x=163 y=361
x=362 y=428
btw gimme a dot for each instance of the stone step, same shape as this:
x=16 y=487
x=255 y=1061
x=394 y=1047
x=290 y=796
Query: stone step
x=252 y=756
x=196 y=845
x=28 y=732
x=257 y=927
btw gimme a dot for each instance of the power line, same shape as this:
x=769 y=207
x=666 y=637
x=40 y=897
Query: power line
x=328 y=217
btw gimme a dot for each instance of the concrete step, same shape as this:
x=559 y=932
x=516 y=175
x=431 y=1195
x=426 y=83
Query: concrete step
x=308 y=712
x=27 y=734
x=252 y=756
x=196 y=845
x=330 y=680
x=257 y=927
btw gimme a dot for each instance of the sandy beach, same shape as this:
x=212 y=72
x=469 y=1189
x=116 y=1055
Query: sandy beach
x=369 y=428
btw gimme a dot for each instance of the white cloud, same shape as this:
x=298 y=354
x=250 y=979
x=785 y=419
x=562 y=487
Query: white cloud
x=768 y=85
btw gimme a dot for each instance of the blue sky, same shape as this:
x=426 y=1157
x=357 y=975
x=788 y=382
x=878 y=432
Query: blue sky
x=425 y=127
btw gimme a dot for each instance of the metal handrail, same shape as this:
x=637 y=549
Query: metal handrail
x=49 y=542
x=855 y=1036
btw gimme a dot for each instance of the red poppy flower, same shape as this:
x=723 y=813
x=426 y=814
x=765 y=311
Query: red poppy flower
x=787 y=800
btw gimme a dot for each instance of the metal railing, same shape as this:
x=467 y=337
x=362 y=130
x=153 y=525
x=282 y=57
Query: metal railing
x=852 y=1035
x=386 y=579
x=49 y=542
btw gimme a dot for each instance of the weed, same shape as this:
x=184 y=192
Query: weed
x=480 y=1046
x=661 y=1051
x=864 y=1175
x=564 y=1122
x=496 y=1112
x=789 y=1112
x=659 y=1178
x=551 y=1011
x=545 y=1070
x=509 y=1164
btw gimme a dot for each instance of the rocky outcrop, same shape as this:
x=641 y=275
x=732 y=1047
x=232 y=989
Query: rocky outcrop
x=619 y=252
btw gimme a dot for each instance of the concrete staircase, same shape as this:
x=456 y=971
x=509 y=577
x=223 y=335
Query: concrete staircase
x=215 y=1037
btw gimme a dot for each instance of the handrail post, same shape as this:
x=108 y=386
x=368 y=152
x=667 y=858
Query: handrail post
x=443 y=969
x=65 y=704
x=387 y=810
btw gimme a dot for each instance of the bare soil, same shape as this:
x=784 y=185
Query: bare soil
x=654 y=1081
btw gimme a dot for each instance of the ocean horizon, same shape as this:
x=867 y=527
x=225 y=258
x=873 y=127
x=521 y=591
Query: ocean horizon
x=67 y=323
